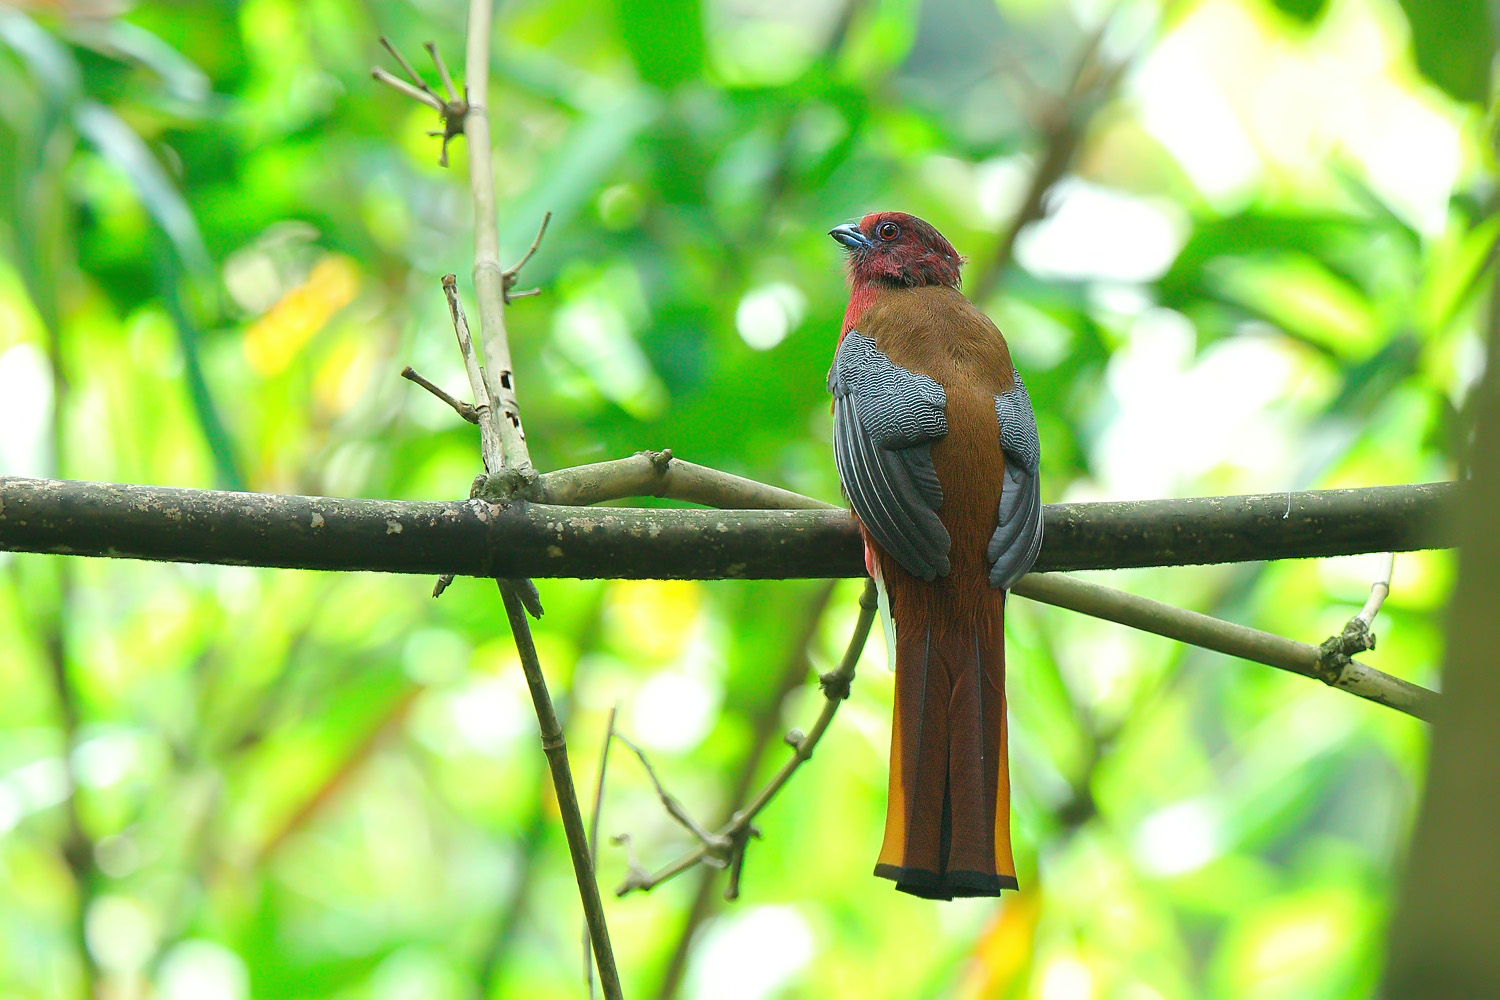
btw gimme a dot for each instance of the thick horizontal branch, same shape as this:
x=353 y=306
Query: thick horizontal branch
x=477 y=538
x=523 y=539
x=483 y=539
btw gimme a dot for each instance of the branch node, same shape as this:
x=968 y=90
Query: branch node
x=508 y=483
x=530 y=597
x=835 y=685
x=636 y=877
x=1335 y=653
x=659 y=460
x=453 y=111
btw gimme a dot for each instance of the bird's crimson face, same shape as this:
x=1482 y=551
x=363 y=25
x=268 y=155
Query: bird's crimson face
x=898 y=249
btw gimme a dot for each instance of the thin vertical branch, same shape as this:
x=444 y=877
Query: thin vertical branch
x=490 y=447
x=489 y=276
x=499 y=399
x=512 y=913
x=556 y=749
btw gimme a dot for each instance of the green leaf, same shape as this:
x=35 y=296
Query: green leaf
x=50 y=62
x=1304 y=11
x=1454 y=45
x=665 y=39
x=118 y=143
x=122 y=40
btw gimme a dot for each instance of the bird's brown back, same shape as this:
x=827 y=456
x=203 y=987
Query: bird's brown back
x=934 y=331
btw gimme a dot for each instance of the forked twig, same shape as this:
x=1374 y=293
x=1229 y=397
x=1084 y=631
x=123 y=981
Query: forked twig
x=726 y=848
x=513 y=272
x=411 y=74
x=454 y=111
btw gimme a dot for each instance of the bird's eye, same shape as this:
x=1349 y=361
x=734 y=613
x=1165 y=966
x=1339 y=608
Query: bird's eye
x=887 y=230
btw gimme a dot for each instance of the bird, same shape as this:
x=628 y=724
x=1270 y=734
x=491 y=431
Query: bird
x=936 y=446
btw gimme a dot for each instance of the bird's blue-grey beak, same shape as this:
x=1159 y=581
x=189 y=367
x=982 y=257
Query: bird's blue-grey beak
x=849 y=235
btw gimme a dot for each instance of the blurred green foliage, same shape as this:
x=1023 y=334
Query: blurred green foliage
x=221 y=241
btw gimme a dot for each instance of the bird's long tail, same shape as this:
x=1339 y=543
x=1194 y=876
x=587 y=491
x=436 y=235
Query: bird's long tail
x=947 y=829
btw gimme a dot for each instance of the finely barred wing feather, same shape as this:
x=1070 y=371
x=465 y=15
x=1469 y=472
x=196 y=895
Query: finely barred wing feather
x=885 y=419
x=1018 y=533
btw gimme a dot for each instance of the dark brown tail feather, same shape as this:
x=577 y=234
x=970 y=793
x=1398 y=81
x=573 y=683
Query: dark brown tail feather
x=947 y=828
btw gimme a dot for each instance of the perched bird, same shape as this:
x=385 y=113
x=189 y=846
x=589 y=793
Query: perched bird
x=936 y=447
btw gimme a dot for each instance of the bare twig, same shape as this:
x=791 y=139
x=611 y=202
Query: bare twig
x=1227 y=637
x=671 y=803
x=442 y=68
x=420 y=94
x=514 y=910
x=727 y=846
x=482 y=410
x=660 y=474
x=1379 y=591
x=632 y=860
x=465 y=410
x=411 y=74
x=1357 y=635
x=489 y=278
x=489 y=432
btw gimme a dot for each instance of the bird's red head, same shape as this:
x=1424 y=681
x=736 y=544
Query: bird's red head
x=897 y=249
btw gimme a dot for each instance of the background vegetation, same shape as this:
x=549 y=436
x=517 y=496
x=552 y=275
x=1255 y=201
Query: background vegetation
x=1260 y=269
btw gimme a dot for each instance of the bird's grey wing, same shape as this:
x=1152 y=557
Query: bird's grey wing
x=1018 y=532
x=885 y=419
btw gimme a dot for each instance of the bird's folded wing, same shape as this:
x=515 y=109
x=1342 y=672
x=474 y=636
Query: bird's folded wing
x=885 y=419
x=1018 y=532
